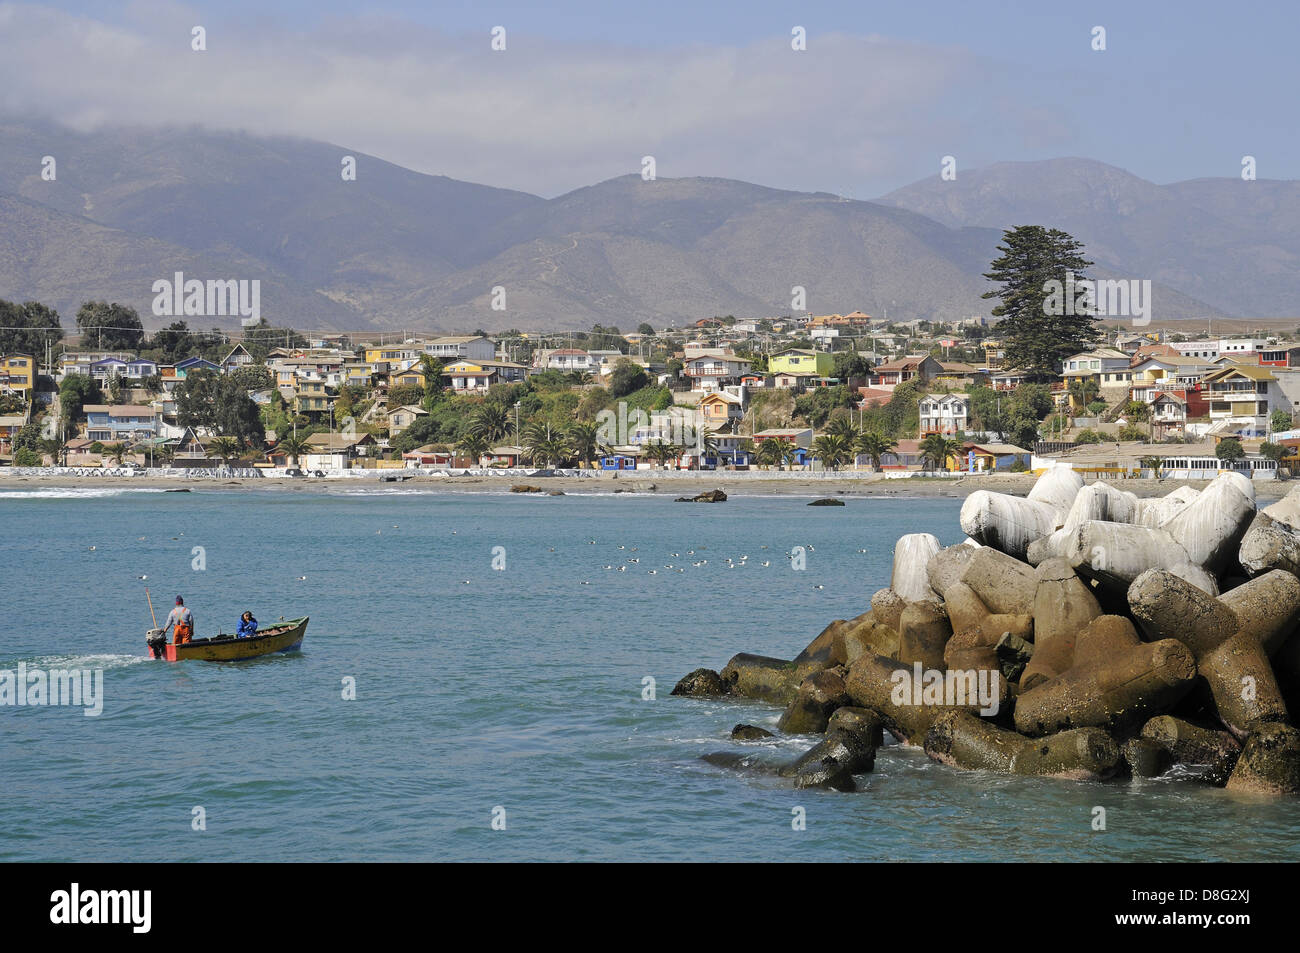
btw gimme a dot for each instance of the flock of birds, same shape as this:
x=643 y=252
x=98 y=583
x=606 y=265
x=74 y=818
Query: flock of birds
x=702 y=562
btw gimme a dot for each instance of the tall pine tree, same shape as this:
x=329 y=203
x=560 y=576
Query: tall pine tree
x=1034 y=339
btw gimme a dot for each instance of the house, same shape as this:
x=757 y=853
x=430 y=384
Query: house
x=191 y=452
x=1209 y=350
x=472 y=376
x=79 y=362
x=507 y=456
x=431 y=456
x=311 y=397
x=336 y=451
x=713 y=372
x=944 y=413
x=18 y=374
x=960 y=374
x=411 y=375
x=919 y=367
x=124 y=423
x=108 y=368
x=1108 y=367
x=9 y=427
x=1279 y=355
x=983 y=457
x=140 y=368
x=799 y=436
x=237 y=358
x=567 y=359
x=719 y=410
x=798 y=363
x=472 y=347
x=399 y=418
x=392 y=354
x=1168 y=414
x=1241 y=397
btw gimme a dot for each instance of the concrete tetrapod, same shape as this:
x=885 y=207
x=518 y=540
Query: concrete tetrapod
x=912 y=555
x=1117 y=682
x=1011 y=523
x=1063 y=605
x=960 y=739
x=1228 y=656
x=1270 y=762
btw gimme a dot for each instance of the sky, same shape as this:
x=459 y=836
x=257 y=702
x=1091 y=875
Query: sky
x=584 y=91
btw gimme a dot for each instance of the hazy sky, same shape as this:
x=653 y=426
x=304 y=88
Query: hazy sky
x=584 y=90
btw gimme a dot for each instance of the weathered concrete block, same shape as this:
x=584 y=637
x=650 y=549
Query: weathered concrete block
x=1006 y=523
x=923 y=632
x=701 y=683
x=1145 y=759
x=1270 y=544
x=768 y=679
x=1232 y=662
x=947 y=565
x=749 y=733
x=1191 y=744
x=867 y=637
x=962 y=740
x=871 y=684
x=832 y=762
x=1084 y=754
x=817 y=698
x=1063 y=605
x=1004 y=584
x=1268 y=607
x=1270 y=762
x=887 y=607
x=965 y=610
x=912 y=555
x=1115 y=554
x=1117 y=694
x=1210 y=528
x=862 y=721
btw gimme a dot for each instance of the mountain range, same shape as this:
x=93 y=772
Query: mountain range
x=396 y=249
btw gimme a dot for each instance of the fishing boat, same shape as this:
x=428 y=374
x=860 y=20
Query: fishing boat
x=281 y=637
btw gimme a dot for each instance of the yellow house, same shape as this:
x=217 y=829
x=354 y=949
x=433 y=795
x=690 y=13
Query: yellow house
x=18 y=373
x=393 y=354
x=412 y=375
x=311 y=397
x=718 y=409
x=801 y=363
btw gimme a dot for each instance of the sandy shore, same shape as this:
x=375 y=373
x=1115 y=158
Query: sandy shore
x=666 y=484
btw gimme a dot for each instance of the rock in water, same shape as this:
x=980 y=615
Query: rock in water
x=711 y=496
x=701 y=683
x=1270 y=762
x=749 y=733
x=827 y=501
x=817 y=698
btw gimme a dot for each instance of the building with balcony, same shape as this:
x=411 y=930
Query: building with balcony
x=122 y=423
x=944 y=414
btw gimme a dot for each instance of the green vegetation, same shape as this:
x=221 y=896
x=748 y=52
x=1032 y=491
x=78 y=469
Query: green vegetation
x=1034 y=339
x=112 y=327
x=1087 y=435
x=28 y=327
x=217 y=402
x=1229 y=450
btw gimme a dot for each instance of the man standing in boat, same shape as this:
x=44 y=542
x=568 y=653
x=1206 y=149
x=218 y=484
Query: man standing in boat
x=183 y=621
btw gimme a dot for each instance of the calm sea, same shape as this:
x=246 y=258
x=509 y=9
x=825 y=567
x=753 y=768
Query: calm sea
x=513 y=693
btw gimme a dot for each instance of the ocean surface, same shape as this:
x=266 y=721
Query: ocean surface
x=514 y=693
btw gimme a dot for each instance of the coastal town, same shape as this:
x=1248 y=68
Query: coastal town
x=805 y=394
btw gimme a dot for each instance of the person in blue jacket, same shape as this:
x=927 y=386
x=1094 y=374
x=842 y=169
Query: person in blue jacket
x=247 y=626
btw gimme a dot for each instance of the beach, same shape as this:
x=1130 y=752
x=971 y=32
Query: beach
x=666 y=482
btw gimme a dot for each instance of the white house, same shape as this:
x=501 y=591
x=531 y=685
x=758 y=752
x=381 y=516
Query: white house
x=944 y=413
x=472 y=347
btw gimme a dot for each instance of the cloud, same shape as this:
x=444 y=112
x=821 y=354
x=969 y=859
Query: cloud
x=851 y=114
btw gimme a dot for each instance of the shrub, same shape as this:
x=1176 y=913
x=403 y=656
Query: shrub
x=1087 y=435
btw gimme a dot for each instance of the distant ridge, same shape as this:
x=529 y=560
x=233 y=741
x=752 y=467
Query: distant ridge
x=399 y=249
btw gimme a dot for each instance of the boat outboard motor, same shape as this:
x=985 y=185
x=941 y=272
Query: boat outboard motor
x=156 y=639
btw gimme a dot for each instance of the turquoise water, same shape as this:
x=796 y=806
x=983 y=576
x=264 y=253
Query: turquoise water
x=477 y=689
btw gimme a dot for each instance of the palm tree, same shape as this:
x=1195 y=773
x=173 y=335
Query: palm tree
x=789 y=454
x=875 y=445
x=164 y=453
x=227 y=448
x=545 y=442
x=293 y=445
x=115 y=451
x=936 y=449
x=49 y=447
x=583 y=440
x=491 y=421
x=662 y=450
x=706 y=441
x=473 y=446
x=832 y=450
x=768 y=452
x=842 y=427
